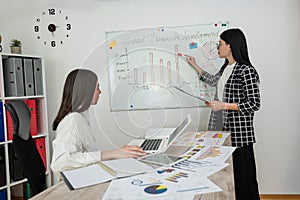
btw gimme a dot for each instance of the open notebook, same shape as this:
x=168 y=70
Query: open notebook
x=103 y=171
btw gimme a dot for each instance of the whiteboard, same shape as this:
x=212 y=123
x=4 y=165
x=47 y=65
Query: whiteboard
x=144 y=66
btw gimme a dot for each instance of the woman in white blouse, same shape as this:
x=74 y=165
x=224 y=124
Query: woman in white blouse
x=74 y=145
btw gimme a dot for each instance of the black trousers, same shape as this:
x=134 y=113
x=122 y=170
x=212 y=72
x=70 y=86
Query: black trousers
x=246 y=187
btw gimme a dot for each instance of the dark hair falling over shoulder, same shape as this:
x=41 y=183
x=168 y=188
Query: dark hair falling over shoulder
x=78 y=93
x=237 y=41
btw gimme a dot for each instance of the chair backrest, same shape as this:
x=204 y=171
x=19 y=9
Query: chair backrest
x=24 y=146
x=20 y=111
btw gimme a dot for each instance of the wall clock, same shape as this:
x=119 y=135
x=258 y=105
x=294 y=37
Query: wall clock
x=52 y=27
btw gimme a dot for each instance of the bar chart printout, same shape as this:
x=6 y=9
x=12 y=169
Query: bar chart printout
x=145 y=65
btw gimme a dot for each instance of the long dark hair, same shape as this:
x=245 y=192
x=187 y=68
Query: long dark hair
x=237 y=40
x=78 y=93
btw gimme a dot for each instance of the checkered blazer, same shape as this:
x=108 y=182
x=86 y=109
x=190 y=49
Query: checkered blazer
x=241 y=88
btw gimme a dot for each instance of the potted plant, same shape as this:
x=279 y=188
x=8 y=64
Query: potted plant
x=15 y=46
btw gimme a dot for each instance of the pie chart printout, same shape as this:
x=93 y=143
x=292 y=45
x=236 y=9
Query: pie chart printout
x=155 y=189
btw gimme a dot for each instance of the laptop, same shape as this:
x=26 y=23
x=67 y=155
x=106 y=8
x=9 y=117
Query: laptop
x=158 y=140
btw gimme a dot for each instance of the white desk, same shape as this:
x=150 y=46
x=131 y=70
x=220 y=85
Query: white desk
x=223 y=178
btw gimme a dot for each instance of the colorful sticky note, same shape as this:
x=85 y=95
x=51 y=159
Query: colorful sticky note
x=193 y=45
x=112 y=44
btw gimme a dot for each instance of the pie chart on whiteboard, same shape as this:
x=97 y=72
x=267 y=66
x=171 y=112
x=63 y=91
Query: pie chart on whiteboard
x=209 y=50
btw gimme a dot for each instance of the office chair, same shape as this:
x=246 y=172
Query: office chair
x=24 y=146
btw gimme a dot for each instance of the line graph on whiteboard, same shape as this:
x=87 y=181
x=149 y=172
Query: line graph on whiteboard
x=145 y=64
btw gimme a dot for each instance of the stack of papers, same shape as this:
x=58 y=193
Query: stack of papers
x=165 y=183
x=181 y=179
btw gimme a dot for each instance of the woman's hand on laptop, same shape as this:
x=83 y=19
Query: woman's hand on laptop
x=130 y=151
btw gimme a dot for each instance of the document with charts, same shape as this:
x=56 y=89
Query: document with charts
x=166 y=183
x=213 y=154
x=202 y=138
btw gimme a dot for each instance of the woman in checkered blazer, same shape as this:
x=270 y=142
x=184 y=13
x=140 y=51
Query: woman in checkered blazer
x=236 y=100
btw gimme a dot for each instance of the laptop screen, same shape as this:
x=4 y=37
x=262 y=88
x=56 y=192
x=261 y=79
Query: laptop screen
x=179 y=128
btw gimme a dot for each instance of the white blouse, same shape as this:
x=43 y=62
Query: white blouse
x=74 y=145
x=224 y=78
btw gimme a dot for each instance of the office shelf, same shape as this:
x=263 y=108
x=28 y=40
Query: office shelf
x=37 y=96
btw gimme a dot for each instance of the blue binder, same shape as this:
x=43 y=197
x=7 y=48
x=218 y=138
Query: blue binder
x=1 y=123
x=2 y=167
x=3 y=194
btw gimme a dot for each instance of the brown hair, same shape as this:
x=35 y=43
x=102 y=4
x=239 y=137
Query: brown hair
x=78 y=93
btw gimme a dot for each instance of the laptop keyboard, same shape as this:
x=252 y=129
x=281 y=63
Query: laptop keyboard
x=151 y=144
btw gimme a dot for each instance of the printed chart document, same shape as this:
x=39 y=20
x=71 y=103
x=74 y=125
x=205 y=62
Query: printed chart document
x=201 y=138
x=202 y=168
x=213 y=154
x=163 y=183
x=189 y=140
x=103 y=171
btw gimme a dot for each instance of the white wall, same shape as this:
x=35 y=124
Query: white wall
x=271 y=26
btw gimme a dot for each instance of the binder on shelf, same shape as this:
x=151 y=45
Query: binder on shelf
x=3 y=194
x=1 y=123
x=28 y=76
x=2 y=167
x=13 y=76
x=15 y=167
x=33 y=122
x=40 y=144
x=38 y=76
x=9 y=126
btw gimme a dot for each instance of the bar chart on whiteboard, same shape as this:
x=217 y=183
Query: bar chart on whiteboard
x=147 y=65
